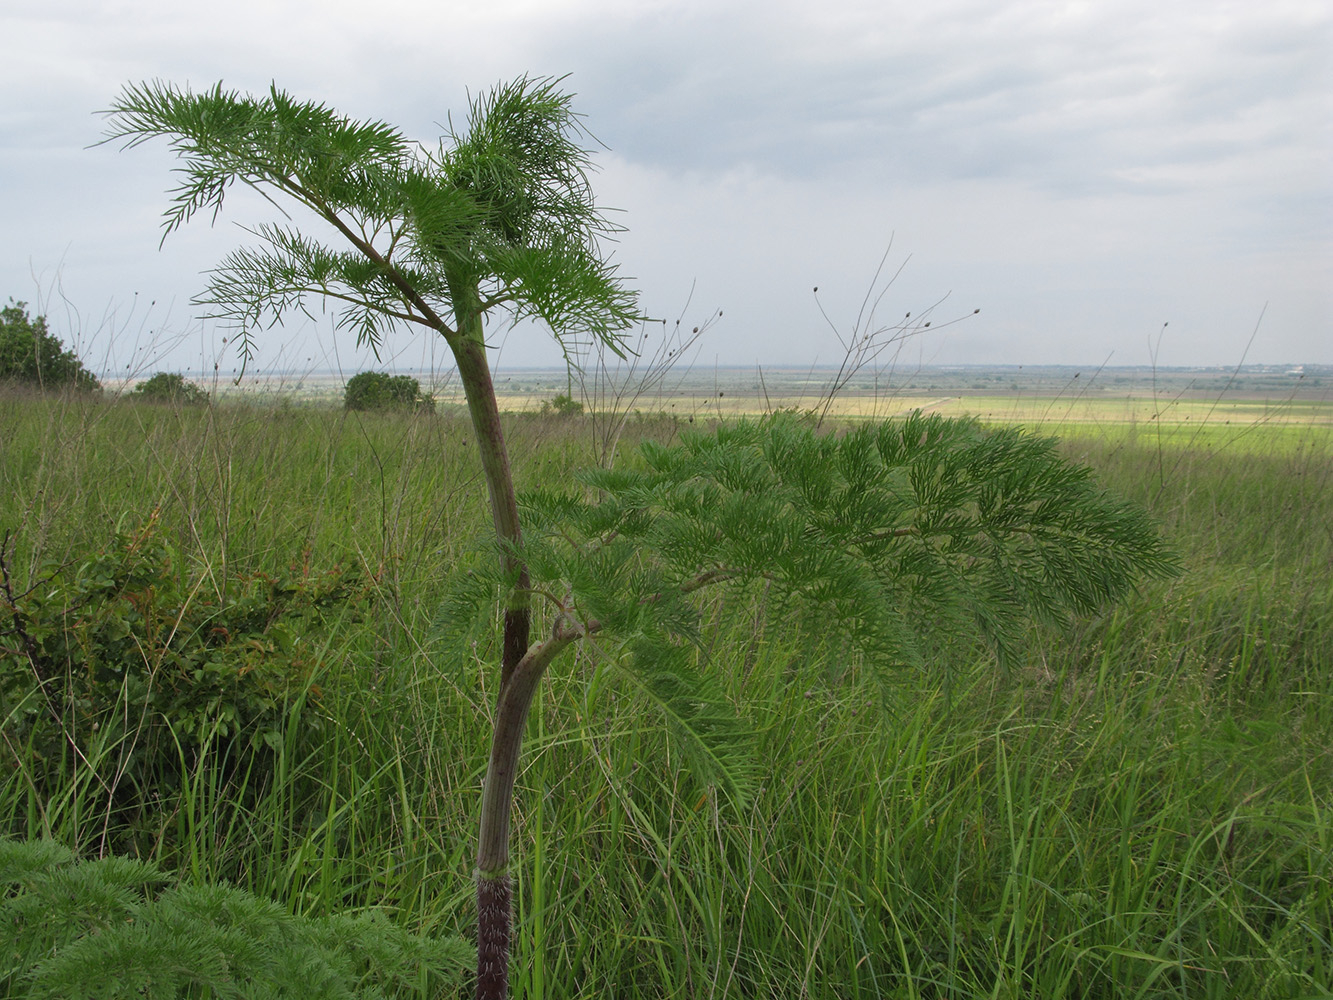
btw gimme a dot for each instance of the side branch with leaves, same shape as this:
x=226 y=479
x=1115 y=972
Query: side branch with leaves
x=895 y=534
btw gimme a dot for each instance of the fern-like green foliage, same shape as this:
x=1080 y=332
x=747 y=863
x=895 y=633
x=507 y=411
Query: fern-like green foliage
x=500 y=213
x=119 y=928
x=907 y=541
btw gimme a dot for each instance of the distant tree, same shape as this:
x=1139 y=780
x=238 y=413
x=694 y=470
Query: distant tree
x=562 y=406
x=169 y=387
x=381 y=391
x=30 y=354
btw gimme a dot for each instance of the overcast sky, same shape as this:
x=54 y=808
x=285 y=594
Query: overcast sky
x=1080 y=172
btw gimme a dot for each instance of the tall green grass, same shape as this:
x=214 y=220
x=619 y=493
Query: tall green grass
x=1141 y=808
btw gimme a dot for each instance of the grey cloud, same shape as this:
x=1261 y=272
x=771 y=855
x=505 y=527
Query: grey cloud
x=1045 y=160
x=1072 y=112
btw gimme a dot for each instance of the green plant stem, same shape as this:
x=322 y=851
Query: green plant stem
x=473 y=371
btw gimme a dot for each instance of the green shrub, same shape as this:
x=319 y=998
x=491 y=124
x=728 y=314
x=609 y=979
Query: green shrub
x=562 y=406
x=117 y=927
x=123 y=665
x=381 y=391
x=31 y=355
x=169 y=387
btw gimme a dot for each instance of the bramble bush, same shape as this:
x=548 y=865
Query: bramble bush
x=126 y=665
x=381 y=391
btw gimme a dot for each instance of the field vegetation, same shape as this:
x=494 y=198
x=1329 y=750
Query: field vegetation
x=1136 y=808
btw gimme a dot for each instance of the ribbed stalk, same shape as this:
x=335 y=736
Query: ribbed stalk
x=494 y=905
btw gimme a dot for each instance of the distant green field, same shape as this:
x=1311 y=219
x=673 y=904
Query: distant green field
x=1178 y=408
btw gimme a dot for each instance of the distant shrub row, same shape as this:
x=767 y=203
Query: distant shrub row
x=32 y=356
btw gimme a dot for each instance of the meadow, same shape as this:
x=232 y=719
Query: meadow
x=1140 y=808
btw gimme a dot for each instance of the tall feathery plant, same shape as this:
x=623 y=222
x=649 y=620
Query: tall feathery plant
x=498 y=217
x=899 y=539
